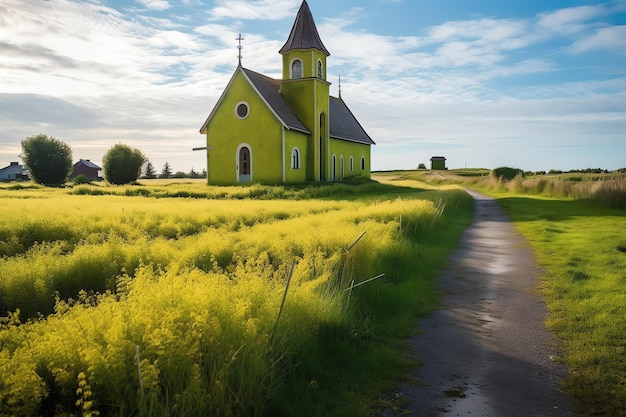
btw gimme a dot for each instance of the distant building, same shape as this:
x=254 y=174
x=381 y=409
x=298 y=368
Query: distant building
x=13 y=172
x=87 y=168
x=438 y=162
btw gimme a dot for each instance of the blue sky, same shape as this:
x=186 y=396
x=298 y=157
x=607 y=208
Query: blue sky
x=537 y=85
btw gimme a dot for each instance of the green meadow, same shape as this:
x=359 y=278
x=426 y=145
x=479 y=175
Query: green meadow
x=176 y=299
x=576 y=225
x=582 y=247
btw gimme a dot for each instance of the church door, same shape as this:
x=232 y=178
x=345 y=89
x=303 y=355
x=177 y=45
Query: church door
x=244 y=165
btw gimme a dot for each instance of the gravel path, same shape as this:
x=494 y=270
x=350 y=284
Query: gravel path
x=486 y=352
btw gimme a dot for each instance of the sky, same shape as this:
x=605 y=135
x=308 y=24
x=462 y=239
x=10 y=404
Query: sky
x=536 y=85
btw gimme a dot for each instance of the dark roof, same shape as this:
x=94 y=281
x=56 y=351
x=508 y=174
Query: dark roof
x=268 y=89
x=12 y=166
x=438 y=158
x=87 y=163
x=304 y=33
x=343 y=124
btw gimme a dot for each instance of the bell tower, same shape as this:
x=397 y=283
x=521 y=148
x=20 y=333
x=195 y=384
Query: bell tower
x=305 y=87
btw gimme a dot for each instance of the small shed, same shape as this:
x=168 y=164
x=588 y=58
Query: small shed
x=438 y=162
x=87 y=168
x=15 y=171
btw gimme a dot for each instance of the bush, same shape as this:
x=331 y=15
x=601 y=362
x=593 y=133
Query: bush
x=48 y=160
x=82 y=179
x=122 y=164
x=506 y=172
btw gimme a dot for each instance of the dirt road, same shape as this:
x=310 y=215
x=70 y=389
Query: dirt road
x=486 y=352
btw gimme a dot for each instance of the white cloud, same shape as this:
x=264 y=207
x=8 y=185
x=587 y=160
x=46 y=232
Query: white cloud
x=159 y=5
x=612 y=38
x=254 y=9
x=95 y=76
x=571 y=20
x=484 y=30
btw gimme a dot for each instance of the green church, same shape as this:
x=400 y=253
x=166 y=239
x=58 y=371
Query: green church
x=289 y=130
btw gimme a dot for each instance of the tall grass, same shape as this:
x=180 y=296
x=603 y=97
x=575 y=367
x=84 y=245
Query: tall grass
x=609 y=189
x=611 y=192
x=195 y=285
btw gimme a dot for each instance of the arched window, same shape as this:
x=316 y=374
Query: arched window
x=341 y=172
x=320 y=69
x=295 y=158
x=362 y=163
x=351 y=164
x=296 y=69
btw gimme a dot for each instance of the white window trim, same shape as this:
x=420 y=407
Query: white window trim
x=294 y=150
x=246 y=145
x=341 y=168
x=351 y=164
x=245 y=103
x=320 y=69
x=293 y=61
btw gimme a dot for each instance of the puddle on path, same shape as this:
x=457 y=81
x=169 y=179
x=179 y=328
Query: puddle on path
x=467 y=401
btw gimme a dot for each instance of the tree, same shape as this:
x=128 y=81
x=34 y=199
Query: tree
x=149 y=171
x=166 y=172
x=196 y=174
x=122 y=164
x=48 y=160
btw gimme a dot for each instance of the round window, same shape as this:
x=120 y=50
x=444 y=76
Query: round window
x=242 y=110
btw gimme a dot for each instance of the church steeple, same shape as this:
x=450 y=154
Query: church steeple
x=304 y=33
x=305 y=88
x=304 y=54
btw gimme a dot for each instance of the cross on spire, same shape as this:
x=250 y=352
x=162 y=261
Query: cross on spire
x=340 y=86
x=239 y=47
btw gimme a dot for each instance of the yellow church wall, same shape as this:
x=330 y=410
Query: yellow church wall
x=347 y=149
x=300 y=141
x=261 y=130
x=309 y=99
x=309 y=60
x=300 y=94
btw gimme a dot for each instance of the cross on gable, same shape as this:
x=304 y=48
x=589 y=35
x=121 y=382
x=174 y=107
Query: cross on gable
x=239 y=47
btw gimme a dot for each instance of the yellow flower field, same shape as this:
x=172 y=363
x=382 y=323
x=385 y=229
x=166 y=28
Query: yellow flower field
x=114 y=303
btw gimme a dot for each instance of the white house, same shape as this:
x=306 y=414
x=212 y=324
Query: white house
x=14 y=171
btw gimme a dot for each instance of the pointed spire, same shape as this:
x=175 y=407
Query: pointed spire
x=304 y=33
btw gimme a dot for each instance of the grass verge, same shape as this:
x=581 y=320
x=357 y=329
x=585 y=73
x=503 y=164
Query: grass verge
x=581 y=245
